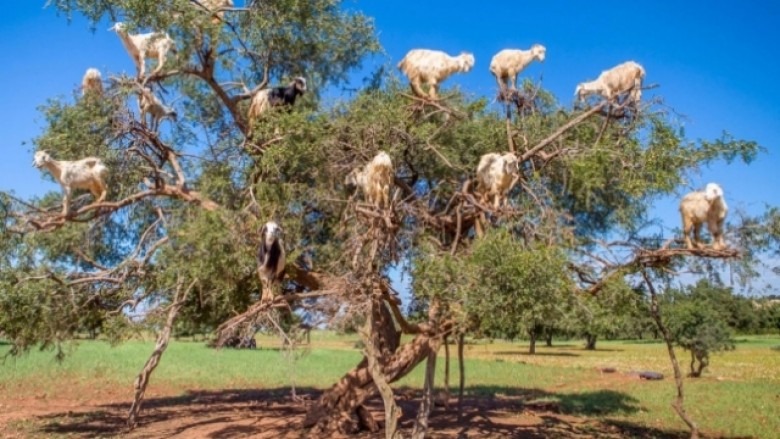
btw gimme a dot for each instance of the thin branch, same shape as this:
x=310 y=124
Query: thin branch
x=567 y=126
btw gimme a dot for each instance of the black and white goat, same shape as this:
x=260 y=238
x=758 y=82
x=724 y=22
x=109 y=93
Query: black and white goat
x=270 y=258
x=275 y=97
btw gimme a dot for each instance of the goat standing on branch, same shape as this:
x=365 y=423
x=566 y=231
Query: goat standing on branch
x=88 y=173
x=701 y=207
x=508 y=63
x=142 y=46
x=611 y=83
x=149 y=104
x=375 y=180
x=277 y=96
x=92 y=82
x=432 y=67
x=496 y=175
x=217 y=5
x=270 y=258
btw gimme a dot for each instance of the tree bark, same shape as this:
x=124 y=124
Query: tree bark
x=678 y=378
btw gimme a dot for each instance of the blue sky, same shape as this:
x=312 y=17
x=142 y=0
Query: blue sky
x=716 y=63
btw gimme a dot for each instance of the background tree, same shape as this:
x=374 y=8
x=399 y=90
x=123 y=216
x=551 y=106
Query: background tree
x=608 y=314
x=699 y=328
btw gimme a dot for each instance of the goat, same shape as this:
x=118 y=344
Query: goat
x=88 y=173
x=217 y=5
x=149 y=104
x=496 y=176
x=277 y=96
x=374 y=179
x=92 y=82
x=508 y=63
x=699 y=207
x=142 y=46
x=270 y=258
x=611 y=83
x=432 y=67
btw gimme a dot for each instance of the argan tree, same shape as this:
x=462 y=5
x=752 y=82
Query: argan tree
x=178 y=232
x=698 y=325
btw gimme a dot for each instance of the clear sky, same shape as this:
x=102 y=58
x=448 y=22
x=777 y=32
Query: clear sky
x=716 y=62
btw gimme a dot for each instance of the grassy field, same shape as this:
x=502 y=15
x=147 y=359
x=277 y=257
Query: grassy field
x=738 y=396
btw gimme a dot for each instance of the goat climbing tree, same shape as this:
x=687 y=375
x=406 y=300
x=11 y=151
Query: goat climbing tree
x=185 y=203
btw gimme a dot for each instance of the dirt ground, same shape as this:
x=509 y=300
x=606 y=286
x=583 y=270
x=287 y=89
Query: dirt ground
x=100 y=412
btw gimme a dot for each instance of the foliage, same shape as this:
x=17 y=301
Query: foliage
x=698 y=327
x=608 y=314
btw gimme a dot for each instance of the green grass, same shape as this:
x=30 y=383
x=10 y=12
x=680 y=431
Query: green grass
x=738 y=396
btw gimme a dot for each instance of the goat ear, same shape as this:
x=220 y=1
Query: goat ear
x=263 y=231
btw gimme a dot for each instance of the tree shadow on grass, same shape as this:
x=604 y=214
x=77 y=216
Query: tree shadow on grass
x=488 y=411
x=537 y=354
x=581 y=348
x=646 y=341
x=598 y=402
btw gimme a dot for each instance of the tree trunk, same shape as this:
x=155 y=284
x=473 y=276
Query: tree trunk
x=462 y=372
x=372 y=343
x=421 y=424
x=162 y=343
x=703 y=363
x=446 y=374
x=590 y=342
x=336 y=410
x=678 y=378
x=548 y=339
x=532 y=346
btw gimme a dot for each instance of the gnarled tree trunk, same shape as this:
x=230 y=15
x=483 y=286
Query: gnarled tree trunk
x=336 y=408
x=339 y=408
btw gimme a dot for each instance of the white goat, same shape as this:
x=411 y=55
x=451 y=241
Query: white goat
x=88 y=173
x=701 y=207
x=496 y=176
x=142 y=46
x=613 y=82
x=149 y=104
x=432 y=67
x=213 y=5
x=375 y=180
x=271 y=258
x=508 y=63
x=92 y=82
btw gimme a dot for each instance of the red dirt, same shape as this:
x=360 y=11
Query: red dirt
x=100 y=412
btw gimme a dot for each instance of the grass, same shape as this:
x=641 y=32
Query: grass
x=738 y=396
